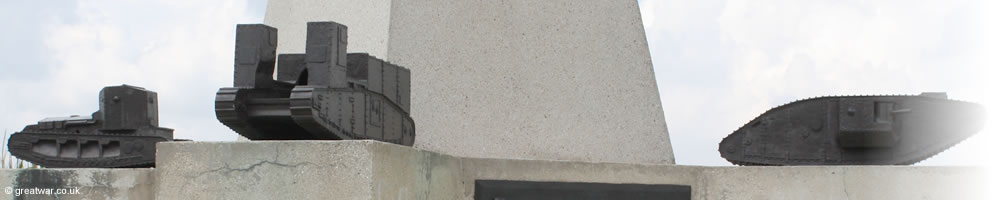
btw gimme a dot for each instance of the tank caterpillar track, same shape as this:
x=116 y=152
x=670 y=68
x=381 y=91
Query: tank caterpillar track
x=123 y=133
x=854 y=130
x=324 y=94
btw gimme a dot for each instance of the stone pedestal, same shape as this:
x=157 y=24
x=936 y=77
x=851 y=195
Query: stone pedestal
x=522 y=79
x=377 y=171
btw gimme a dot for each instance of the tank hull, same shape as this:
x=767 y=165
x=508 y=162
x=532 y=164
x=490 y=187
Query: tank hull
x=854 y=130
x=123 y=133
x=85 y=151
x=315 y=114
x=324 y=94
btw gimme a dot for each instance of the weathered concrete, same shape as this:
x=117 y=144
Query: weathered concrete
x=376 y=170
x=406 y=173
x=521 y=79
x=90 y=183
x=844 y=182
x=265 y=170
x=817 y=182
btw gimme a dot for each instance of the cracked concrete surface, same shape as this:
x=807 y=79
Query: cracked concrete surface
x=227 y=170
x=263 y=170
x=843 y=180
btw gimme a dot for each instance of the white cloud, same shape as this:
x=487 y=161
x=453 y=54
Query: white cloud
x=180 y=49
x=720 y=63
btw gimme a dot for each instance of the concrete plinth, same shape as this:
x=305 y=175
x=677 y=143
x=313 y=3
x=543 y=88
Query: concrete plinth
x=375 y=170
x=520 y=79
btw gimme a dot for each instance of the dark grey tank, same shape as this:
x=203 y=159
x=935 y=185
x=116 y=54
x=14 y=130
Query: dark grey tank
x=324 y=94
x=854 y=130
x=123 y=133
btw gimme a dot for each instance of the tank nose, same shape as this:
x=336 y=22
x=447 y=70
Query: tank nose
x=731 y=145
x=969 y=117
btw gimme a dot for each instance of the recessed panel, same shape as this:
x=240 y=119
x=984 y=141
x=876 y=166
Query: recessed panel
x=530 y=190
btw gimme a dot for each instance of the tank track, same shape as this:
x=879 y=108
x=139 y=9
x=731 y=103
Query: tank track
x=21 y=146
x=324 y=94
x=919 y=158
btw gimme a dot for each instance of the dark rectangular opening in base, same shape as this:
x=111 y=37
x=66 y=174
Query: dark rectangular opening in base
x=531 y=190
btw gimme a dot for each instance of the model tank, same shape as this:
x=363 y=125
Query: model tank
x=854 y=130
x=123 y=133
x=324 y=94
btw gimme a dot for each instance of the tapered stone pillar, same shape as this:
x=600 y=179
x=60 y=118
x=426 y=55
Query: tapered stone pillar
x=519 y=79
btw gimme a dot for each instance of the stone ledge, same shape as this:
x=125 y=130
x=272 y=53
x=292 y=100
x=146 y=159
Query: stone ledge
x=376 y=170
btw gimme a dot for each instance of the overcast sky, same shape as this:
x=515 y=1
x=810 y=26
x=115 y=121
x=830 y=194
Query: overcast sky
x=718 y=63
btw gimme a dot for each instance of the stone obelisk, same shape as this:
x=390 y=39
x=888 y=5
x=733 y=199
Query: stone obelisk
x=518 y=79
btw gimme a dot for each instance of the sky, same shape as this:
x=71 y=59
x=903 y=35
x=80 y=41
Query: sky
x=718 y=63
x=721 y=63
x=57 y=55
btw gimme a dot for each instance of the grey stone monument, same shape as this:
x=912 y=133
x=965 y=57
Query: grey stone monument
x=553 y=80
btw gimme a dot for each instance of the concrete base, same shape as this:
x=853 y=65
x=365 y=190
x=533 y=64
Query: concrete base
x=375 y=170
